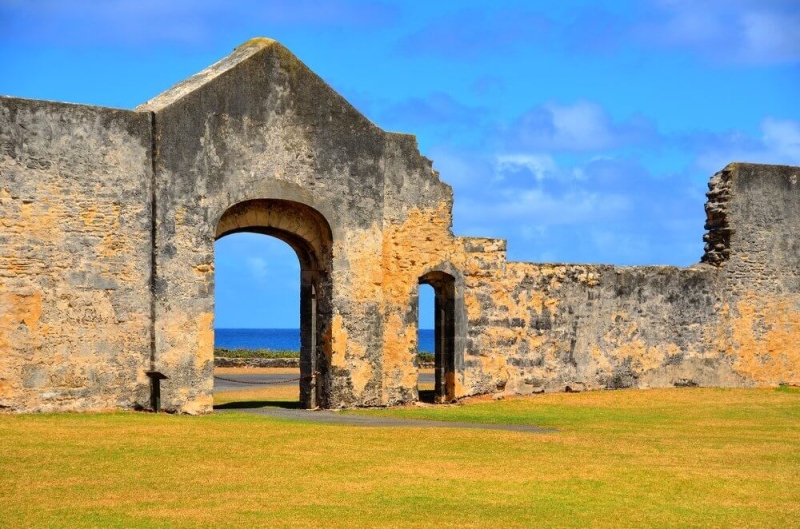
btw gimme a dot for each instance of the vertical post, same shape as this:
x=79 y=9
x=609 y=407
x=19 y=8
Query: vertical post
x=308 y=340
x=155 y=389
x=314 y=381
x=448 y=343
x=155 y=397
x=439 y=350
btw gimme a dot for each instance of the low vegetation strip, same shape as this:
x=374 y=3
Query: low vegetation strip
x=680 y=457
x=221 y=361
x=255 y=353
x=284 y=353
x=278 y=358
x=425 y=359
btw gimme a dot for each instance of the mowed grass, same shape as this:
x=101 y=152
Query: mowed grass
x=682 y=457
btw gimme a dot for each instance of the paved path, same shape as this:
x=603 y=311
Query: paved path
x=333 y=417
x=251 y=379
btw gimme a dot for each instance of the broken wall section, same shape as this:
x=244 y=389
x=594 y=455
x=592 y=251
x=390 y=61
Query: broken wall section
x=417 y=240
x=74 y=257
x=760 y=280
x=734 y=321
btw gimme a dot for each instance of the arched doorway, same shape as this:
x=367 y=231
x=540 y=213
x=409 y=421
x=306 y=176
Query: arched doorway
x=444 y=334
x=307 y=232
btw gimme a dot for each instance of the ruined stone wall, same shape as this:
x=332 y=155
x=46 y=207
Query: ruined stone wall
x=417 y=240
x=95 y=289
x=260 y=125
x=549 y=326
x=734 y=321
x=74 y=256
x=759 y=284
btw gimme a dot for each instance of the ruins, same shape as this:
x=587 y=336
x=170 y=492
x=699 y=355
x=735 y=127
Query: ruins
x=108 y=220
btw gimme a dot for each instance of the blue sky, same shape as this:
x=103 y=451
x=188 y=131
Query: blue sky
x=579 y=131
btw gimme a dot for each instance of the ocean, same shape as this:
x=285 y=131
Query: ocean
x=285 y=339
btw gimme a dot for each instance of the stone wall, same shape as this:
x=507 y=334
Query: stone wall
x=759 y=286
x=733 y=320
x=95 y=290
x=552 y=326
x=74 y=256
x=261 y=125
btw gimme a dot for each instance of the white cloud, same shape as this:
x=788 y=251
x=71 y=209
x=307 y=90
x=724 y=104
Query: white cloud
x=540 y=165
x=258 y=268
x=727 y=31
x=590 y=209
x=582 y=124
x=626 y=247
x=779 y=144
x=542 y=207
x=463 y=170
x=782 y=137
x=771 y=37
x=579 y=126
x=532 y=232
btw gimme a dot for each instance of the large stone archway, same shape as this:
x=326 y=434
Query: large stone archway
x=307 y=232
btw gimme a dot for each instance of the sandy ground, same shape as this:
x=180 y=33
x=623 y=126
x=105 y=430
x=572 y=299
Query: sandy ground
x=257 y=371
x=240 y=379
x=274 y=371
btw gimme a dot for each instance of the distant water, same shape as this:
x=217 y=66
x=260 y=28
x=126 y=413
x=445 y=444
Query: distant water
x=285 y=339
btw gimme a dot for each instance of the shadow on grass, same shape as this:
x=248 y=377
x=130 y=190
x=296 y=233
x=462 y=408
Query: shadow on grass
x=248 y=404
x=427 y=395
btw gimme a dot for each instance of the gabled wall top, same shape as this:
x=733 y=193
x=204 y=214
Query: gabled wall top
x=187 y=86
x=241 y=54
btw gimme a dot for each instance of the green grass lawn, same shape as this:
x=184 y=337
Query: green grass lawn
x=683 y=457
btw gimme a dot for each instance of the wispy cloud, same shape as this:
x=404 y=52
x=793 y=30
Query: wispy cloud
x=781 y=137
x=541 y=166
x=488 y=84
x=742 y=32
x=726 y=31
x=579 y=126
x=473 y=33
x=559 y=182
x=154 y=22
x=596 y=209
x=258 y=268
x=778 y=143
x=437 y=115
x=593 y=30
x=436 y=109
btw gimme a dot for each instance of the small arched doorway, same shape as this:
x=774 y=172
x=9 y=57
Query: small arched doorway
x=444 y=334
x=307 y=232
